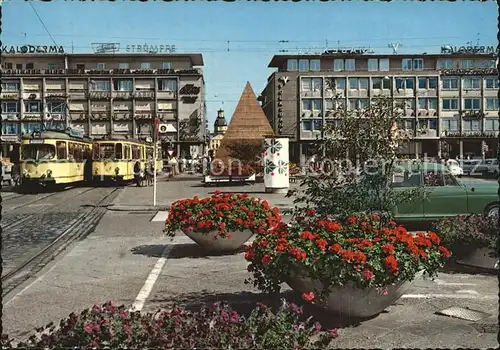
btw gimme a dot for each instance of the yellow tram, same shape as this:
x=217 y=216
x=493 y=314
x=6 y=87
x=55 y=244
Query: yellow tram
x=55 y=158
x=114 y=159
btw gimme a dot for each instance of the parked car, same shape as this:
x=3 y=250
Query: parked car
x=491 y=168
x=447 y=196
x=472 y=167
x=454 y=167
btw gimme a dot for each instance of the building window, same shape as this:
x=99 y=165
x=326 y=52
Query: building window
x=405 y=83
x=350 y=65
x=340 y=83
x=8 y=65
x=406 y=64
x=492 y=83
x=427 y=103
x=466 y=64
x=31 y=127
x=472 y=104
x=145 y=65
x=358 y=103
x=306 y=105
x=492 y=104
x=167 y=85
x=56 y=107
x=450 y=84
x=472 y=83
x=383 y=64
x=372 y=64
x=450 y=104
x=10 y=107
x=303 y=65
x=52 y=66
x=427 y=83
x=123 y=65
x=101 y=86
x=166 y=65
x=19 y=66
x=101 y=65
x=331 y=105
x=491 y=124
x=317 y=124
x=10 y=86
x=471 y=125
x=33 y=107
x=446 y=64
x=449 y=125
x=338 y=65
x=80 y=66
x=10 y=128
x=315 y=65
x=307 y=125
x=358 y=83
x=381 y=83
x=418 y=64
x=292 y=65
x=316 y=105
x=306 y=84
x=123 y=85
x=30 y=66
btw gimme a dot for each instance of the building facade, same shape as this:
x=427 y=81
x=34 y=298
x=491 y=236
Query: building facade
x=450 y=100
x=220 y=128
x=105 y=95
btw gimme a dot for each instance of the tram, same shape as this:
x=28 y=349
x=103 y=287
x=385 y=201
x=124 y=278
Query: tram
x=50 y=158
x=114 y=159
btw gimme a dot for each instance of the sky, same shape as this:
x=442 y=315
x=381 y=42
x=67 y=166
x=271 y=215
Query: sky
x=238 y=39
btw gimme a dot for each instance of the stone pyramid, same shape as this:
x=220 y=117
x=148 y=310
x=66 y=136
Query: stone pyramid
x=248 y=125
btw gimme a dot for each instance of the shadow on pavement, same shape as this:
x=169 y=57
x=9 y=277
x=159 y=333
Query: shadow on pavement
x=180 y=251
x=452 y=267
x=245 y=302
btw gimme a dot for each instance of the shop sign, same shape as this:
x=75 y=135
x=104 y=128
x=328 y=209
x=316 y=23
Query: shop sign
x=145 y=48
x=477 y=71
x=32 y=49
x=9 y=138
x=10 y=96
x=351 y=50
x=468 y=49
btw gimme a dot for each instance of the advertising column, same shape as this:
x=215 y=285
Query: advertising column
x=276 y=165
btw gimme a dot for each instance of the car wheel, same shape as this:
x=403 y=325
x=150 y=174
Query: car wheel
x=492 y=210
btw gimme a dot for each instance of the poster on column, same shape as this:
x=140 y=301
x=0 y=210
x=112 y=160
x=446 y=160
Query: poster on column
x=276 y=164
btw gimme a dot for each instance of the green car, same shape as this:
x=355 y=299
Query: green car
x=446 y=195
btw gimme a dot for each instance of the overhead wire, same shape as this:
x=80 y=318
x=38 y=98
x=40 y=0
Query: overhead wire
x=43 y=24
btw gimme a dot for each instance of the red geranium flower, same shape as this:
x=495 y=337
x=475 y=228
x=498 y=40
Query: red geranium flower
x=308 y=296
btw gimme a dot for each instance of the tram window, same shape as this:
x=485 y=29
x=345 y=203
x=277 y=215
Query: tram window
x=71 y=151
x=118 y=151
x=126 y=152
x=149 y=152
x=136 y=152
x=61 y=149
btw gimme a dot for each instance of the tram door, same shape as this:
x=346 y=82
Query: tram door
x=87 y=167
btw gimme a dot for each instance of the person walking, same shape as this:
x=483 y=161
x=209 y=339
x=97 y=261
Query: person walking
x=15 y=173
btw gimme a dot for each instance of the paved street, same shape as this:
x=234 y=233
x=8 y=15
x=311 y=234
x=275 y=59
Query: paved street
x=127 y=260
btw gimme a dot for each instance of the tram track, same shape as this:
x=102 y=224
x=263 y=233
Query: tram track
x=26 y=218
x=79 y=228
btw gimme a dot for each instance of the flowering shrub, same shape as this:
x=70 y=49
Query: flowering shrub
x=361 y=249
x=223 y=213
x=213 y=327
x=466 y=230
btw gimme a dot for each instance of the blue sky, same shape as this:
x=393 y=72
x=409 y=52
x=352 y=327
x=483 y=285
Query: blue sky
x=253 y=30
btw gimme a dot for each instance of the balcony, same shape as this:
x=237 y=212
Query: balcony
x=426 y=134
x=98 y=95
x=100 y=116
x=122 y=115
x=59 y=96
x=167 y=116
x=143 y=115
x=78 y=116
x=32 y=116
x=9 y=116
x=54 y=116
x=166 y=95
x=122 y=95
x=32 y=95
x=144 y=95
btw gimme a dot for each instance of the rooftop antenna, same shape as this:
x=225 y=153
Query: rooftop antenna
x=478 y=35
x=72 y=47
x=395 y=47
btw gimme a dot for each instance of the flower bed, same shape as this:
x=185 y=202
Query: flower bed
x=223 y=213
x=213 y=327
x=361 y=251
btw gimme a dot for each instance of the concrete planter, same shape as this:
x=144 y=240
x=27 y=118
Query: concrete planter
x=475 y=256
x=349 y=300
x=219 y=244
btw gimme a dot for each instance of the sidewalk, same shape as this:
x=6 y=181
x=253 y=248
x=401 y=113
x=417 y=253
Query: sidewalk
x=135 y=198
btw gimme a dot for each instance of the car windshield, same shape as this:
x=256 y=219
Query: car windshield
x=37 y=152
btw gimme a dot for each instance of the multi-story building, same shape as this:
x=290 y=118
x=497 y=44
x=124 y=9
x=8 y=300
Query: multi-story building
x=450 y=100
x=105 y=94
x=220 y=128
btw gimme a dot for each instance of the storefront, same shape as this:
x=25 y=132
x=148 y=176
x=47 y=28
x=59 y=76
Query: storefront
x=10 y=147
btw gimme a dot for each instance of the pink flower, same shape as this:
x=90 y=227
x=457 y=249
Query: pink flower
x=88 y=328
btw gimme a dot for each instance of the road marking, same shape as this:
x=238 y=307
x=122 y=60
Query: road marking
x=440 y=282
x=146 y=289
x=161 y=216
x=467 y=292
x=450 y=296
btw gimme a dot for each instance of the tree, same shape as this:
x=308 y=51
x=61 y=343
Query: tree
x=360 y=148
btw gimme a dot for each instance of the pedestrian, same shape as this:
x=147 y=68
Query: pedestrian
x=15 y=173
x=137 y=173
